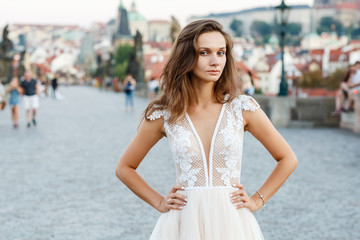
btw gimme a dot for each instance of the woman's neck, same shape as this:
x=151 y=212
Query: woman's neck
x=204 y=93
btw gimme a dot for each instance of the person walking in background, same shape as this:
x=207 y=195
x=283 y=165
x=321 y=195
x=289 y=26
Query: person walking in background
x=44 y=85
x=31 y=97
x=153 y=88
x=129 y=88
x=14 y=90
x=54 y=85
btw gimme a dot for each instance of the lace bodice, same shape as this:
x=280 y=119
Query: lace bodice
x=225 y=151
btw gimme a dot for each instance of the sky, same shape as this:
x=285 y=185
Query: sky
x=84 y=12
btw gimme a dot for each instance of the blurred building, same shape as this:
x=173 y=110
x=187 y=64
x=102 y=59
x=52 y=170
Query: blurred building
x=345 y=11
x=298 y=14
x=159 y=31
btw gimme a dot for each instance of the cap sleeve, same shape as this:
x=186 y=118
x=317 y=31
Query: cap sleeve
x=243 y=103
x=246 y=103
x=156 y=114
x=249 y=103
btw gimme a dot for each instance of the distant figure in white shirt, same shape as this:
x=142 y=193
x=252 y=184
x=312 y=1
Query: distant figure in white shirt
x=154 y=87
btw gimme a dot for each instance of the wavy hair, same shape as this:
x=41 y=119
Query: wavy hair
x=178 y=92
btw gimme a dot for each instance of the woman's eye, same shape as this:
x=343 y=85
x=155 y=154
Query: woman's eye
x=221 y=53
x=203 y=53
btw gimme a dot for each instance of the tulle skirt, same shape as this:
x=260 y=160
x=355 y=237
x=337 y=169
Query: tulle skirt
x=208 y=215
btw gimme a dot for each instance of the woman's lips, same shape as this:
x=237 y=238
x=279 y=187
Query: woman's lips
x=213 y=71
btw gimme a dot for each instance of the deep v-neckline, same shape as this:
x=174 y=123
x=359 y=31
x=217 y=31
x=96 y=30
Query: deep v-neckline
x=207 y=167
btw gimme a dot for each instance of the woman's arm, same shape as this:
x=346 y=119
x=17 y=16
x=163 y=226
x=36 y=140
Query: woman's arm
x=258 y=124
x=149 y=133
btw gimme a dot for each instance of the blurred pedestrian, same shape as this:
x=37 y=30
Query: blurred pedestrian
x=31 y=98
x=153 y=88
x=129 y=88
x=44 y=85
x=248 y=84
x=14 y=90
x=54 y=85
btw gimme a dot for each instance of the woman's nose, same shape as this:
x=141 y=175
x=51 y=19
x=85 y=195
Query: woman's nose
x=214 y=60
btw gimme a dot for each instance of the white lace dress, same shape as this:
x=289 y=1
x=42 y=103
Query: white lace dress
x=209 y=214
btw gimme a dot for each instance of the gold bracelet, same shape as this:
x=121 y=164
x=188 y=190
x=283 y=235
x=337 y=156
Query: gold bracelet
x=262 y=198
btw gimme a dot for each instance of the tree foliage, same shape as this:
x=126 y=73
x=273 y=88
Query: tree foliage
x=262 y=32
x=334 y=80
x=122 y=57
x=353 y=32
x=261 y=28
x=329 y=24
x=294 y=28
x=236 y=25
x=311 y=79
x=315 y=79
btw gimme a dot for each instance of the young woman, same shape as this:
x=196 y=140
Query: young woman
x=204 y=121
x=14 y=90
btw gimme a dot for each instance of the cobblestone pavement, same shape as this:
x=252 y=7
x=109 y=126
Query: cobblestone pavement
x=58 y=179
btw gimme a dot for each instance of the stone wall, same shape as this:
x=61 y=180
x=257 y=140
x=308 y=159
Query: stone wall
x=299 y=112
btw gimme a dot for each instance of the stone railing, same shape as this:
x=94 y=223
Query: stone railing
x=299 y=112
x=357 y=113
x=351 y=120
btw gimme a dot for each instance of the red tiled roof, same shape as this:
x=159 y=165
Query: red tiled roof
x=347 y=5
x=239 y=65
x=154 y=67
x=335 y=55
x=317 y=52
x=271 y=60
x=44 y=68
x=355 y=41
x=160 y=45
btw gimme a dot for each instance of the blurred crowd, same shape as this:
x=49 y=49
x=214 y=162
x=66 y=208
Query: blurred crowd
x=28 y=89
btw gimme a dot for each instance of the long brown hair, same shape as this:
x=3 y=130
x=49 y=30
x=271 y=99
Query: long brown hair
x=178 y=93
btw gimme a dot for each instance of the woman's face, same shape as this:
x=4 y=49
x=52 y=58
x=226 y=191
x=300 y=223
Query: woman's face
x=212 y=57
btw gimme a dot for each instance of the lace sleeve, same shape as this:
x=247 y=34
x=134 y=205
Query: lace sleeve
x=156 y=114
x=246 y=103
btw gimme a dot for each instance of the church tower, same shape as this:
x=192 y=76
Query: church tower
x=122 y=34
x=122 y=23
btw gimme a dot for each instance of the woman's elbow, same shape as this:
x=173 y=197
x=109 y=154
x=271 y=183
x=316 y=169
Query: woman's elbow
x=119 y=172
x=294 y=162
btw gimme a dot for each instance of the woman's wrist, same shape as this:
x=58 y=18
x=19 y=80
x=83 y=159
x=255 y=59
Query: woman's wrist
x=259 y=203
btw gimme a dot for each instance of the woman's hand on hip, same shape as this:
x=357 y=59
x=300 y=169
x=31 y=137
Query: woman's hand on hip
x=241 y=200
x=173 y=200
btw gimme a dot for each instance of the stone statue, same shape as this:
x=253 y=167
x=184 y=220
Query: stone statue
x=174 y=29
x=21 y=68
x=6 y=57
x=136 y=63
x=100 y=68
